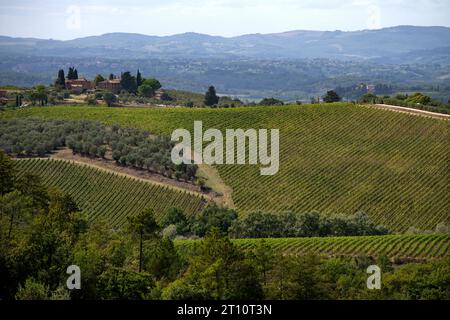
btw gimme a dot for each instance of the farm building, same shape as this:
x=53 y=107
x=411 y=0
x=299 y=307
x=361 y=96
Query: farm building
x=79 y=85
x=110 y=85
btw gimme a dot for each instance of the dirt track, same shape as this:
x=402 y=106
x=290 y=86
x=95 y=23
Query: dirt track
x=412 y=111
x=221 y=198
x=142 y=175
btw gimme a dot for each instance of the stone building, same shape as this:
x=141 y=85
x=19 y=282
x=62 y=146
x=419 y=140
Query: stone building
x=113 y=86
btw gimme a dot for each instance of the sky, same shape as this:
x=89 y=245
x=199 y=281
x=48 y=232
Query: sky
x=69 y=19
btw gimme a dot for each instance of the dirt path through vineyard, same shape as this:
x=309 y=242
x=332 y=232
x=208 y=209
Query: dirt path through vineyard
x=220 y=194
x=412 y=111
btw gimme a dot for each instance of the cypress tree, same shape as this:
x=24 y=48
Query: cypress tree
x=138 y=78
x=70 y=73
x=60 y=81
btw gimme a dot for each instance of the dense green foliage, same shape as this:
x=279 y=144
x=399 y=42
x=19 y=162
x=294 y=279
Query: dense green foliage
x=217 y=270
x=331 y=96
x=128 y=82
x=6 y=173
x=152 y=83
x=176 y=223
x=104 y=195
x=271 y=102
x=417 y=100
x=38 y=95
x=211 y=97
x=109 y=98
x=267 y=225
x=289 y=224
x=212 y=217
x=148 y=87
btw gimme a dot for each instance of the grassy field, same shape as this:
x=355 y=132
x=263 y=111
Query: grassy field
x=396 y=247
x=335 y=158
x=106 y=195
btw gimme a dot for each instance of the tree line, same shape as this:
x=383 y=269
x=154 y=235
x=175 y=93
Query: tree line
x=260 y=224
x=417 y=100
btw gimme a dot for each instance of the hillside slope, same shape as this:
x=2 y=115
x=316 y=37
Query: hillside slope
x=333 y=158
x=105 y=195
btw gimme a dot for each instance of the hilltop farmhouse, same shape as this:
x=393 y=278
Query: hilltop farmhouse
x=82 y=85
x=110 y=85
x=79 y=85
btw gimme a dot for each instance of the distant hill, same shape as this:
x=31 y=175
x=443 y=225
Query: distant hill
x=365 y=44
x=427 y=56
x=294 y=65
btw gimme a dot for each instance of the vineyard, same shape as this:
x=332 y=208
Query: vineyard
x=336 y=158
x=429 y=246
x=105 y=195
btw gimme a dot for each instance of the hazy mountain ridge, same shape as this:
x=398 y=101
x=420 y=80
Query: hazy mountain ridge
x=289 y=65
x=365 y=44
